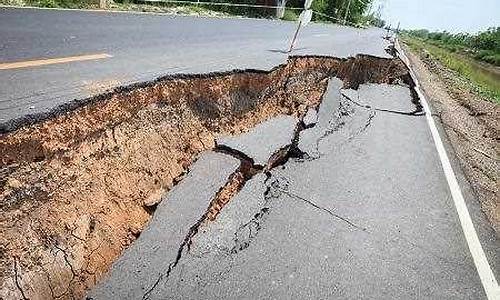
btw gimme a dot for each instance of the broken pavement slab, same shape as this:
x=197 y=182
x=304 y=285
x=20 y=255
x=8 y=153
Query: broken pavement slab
x=263 y=141
x=327 y=108
x=216 y=242
x=386 y=98
x=233 y=225
x=330 y=102
x=325 y=235
x=159 y=247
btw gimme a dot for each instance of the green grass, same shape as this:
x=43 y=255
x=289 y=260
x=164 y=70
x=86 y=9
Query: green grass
x=487 y=83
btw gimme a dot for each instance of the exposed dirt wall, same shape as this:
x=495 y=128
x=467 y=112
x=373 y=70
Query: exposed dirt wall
x=79 y=184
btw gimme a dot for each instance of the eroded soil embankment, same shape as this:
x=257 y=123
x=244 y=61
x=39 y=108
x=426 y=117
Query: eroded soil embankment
x=80 y=185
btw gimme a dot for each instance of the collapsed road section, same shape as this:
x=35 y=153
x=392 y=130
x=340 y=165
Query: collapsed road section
x=80 y=183
x=323 y=217
x=297 y=228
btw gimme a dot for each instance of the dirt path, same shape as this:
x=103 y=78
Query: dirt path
x=472 y=124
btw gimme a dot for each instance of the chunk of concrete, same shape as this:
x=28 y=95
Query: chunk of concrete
x=330 y=102
x=264 y=140
x=234 y=222
x=311 y=117
x=326 y=112
x=151 y=255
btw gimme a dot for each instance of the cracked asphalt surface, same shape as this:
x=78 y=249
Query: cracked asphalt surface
x=361 y=214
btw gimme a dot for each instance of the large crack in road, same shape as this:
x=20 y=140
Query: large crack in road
x=218 y=242
x=226 y=235
x=91 y=174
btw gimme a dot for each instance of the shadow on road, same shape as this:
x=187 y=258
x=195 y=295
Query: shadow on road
x=285 y=51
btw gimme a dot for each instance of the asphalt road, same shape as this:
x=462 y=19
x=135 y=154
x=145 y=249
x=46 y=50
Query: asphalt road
x=145 y=46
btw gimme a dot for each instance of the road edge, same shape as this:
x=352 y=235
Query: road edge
x=483 y=268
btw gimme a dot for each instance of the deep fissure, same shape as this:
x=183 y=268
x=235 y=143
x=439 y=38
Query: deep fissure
x=144 y=136
x=417 y=112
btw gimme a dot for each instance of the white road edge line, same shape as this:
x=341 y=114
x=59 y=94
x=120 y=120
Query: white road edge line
x=483 y=268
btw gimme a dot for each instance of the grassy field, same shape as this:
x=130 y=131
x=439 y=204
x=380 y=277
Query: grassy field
x=485 y=77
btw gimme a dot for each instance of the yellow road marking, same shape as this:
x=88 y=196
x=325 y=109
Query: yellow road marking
x=51 y=61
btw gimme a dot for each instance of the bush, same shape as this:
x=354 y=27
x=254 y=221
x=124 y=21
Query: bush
x=487 y=40
x=290 y=15
x=482 y=54
x=48 y=3
x=488 y=56
x=493 y=59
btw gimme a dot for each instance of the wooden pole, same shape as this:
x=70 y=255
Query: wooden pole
x=292 y=44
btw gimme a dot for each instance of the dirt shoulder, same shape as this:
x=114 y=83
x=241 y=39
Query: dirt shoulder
x=472 y=124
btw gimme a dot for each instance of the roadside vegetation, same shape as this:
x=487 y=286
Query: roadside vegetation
x=354 y=12
x=183 y=9
x=475 y=58
x=351 y=12
x=51 y=3
x=483 y=46
x=187 y=9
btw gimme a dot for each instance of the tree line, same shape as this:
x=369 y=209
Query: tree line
x=484 y=45
x=353 y=11
x=336 y=11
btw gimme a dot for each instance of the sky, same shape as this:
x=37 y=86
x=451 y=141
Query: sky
x=451 y=15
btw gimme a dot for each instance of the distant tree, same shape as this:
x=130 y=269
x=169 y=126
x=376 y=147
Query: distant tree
x=350 y=10
x=487 y=40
